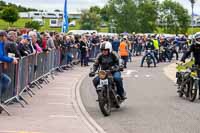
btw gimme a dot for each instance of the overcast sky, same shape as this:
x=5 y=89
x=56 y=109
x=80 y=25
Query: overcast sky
x=74 y=5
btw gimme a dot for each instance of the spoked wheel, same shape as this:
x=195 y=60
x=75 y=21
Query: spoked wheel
x=148 y=64
x=104 y=104
x=193 y=90
x=117 y=104
x=180 y=93
x=184 y=90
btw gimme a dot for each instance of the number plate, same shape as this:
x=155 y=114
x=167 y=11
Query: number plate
x=104 y=82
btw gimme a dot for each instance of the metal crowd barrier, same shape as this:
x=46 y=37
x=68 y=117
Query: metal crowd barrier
x=29 y=70
x=10 y=71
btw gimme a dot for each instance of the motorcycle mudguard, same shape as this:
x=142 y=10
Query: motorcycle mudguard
x=100 y=88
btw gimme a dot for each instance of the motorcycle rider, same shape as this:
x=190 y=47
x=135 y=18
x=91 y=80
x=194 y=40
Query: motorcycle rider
x=107 y=60
x=164 y=45
x=156 y=46
x=149 y=46
x=173 y=49
x=195 y=49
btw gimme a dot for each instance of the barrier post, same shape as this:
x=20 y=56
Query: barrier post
x=2 y=108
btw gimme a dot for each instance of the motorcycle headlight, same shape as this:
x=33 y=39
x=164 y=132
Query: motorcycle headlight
x=102 y=74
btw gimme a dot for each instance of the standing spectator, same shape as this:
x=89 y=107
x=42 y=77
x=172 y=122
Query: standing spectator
x=11 y=44
x=95 y=44
x=23 y=46
x=115 y=44
x=57 y=41
x=123 y=51
x=62 y=48
x=77 y=45
x=140 y=46
x=44 y=41
x=36 y=47
x=83 y=48
x=68 y=54
x=5 y=80
x=50 y=42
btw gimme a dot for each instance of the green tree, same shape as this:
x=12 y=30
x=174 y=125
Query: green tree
x=174 y=17
x=124 y=15
x=90 y=20
x=10 y=15
x=147 y=15
x=105 y=13
x=134 y=16
x=95 y=9
x=2 y=5
x=33 y=25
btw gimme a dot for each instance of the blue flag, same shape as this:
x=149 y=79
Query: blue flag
x=65 y=19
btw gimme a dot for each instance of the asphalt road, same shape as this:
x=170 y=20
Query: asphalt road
x=153 y=105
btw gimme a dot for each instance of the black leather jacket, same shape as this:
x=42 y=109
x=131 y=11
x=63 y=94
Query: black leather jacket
x=106 y=62
x=195 y=49
x=149 y=45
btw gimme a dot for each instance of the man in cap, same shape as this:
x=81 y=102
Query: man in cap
x=11 y=44
x=23 y=45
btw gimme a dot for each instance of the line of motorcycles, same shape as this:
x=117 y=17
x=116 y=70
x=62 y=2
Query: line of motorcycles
x=187 y=80
x=167 y=53
x=164 y=54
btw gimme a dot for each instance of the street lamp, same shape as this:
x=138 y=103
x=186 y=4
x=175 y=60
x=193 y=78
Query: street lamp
x=192 y=4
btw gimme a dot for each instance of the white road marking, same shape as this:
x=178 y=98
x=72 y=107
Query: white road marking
x=61 y=89
x=136 y=76
x=128 y=73
x=129 y=70
x=60 y=104
x=63 y=116
x=51 y=94
x=18 y=132
x=148 y=76
x=126 y=76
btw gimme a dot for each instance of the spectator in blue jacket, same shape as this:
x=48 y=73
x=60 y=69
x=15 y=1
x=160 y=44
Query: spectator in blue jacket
x=5 y=80
x=115 y=44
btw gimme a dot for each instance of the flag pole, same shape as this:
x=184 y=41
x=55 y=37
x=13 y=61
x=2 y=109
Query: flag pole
x=65 y=18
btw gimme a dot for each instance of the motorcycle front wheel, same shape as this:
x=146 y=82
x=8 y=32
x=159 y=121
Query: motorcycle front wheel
x=180 y=93
x=193 y=90
x=104 y=103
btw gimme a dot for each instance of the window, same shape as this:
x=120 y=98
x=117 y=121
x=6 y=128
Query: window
x=53 y=22
x=36 y=14
x=51 y=14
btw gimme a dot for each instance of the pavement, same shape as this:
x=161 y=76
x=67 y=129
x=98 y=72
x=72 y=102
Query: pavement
x=54 y=108
x=153 y=105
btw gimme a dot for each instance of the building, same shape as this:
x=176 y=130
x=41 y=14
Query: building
x=53 y=15
x=196 y=22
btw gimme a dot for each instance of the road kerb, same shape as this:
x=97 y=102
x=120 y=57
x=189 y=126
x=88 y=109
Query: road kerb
x=170 y=72
x=81 y=110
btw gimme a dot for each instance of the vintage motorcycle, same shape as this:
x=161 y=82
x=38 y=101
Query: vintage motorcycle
x=107 y=92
